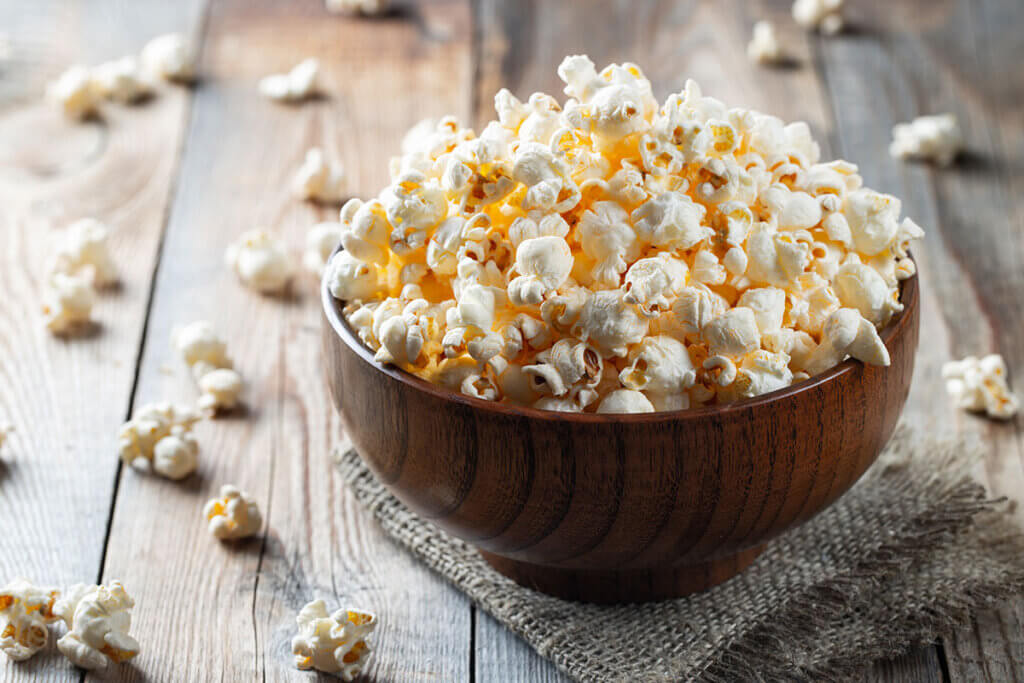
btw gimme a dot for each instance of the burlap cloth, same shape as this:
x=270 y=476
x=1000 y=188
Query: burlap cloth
x=905 y=555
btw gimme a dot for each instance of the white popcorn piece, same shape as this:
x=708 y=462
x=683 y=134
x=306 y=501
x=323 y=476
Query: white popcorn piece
x=298 y=84
x=733 y=333
x=861 y=287
x=233 y=515
x=200 y=347
x=654 y=283
x=84 y=251
x=847 y=333
x=607 y=237
x=75 y=92
x=321 y=241
x=67 y=307
x=98 y=620
x=931 y=138
x=122 y=80
x=333 y=643
x=25 y=613
x=671 y=221
x=159 y=434
x=764 y=46
x=625 y=401
x=610 y=324
x=260 y=262
x=170 y=57
x=823 y=15
x=659 y=365
x=220 y=390
x=365 y=7
x=768 y=305
x=543 y=264
x=981 y=385
x=318 y=178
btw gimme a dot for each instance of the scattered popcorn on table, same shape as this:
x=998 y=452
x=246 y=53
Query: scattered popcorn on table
x=932 y=138
x=170 y=57
x=318 y=178
x=160 y=433
x=260 y=261
x=220 y=390
x=333 y=643
x=764 y=46
x=357 y=6
x=25 y=613
x=206 y=355
x=321 y=240
x=233 y=515
x=294 y=86
x=823 y=15
x=122 y=80
x=981 y=385
x=75 y=92
x=84 y=251
x=67 y=304
x=609 y=255
x=98 y=620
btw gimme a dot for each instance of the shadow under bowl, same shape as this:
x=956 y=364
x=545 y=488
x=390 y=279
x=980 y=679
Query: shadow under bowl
x=619 y=508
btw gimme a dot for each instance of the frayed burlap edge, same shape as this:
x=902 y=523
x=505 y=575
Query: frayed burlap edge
x=907 y=589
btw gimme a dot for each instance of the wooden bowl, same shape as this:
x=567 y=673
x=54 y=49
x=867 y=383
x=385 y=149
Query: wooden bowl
x=614 y=508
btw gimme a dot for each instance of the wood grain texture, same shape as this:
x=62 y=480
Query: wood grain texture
x=378 y=76
x=67 y=397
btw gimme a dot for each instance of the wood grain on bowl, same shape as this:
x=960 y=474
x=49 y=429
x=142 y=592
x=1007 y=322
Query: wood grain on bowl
x=620 y=507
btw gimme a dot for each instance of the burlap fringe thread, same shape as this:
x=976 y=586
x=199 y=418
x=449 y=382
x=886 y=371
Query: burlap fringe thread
x=909 y=553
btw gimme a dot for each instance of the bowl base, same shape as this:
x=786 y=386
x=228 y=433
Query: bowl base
x=634 y=585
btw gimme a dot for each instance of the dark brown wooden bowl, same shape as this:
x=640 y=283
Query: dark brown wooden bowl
x=611 y=508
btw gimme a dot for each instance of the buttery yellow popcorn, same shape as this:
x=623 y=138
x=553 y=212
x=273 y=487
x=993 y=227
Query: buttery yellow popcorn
x=25 y=613
x=334 y=643
x=606 y=254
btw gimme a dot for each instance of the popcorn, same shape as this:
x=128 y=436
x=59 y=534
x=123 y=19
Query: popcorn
x=932 y=138
x=823 y=15
x=233 y=515
x=981 y=385
x=319 y=179
x=25 y=612
x=764 y=47
x=220 y=390
x=260 y=262
x=98 y=619
x=689 y=254
x=122 y=80
x=333 y=643
x=298 y=84
x=367 y=7
x=321 y=240
x=84 y=251
x=159 y=434
x=75 y=92
x=170 y=57
x=200 y=347
x=67 y=307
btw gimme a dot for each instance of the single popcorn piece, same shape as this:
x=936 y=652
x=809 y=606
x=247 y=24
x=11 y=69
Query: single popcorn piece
x=260 y=262
x=605 y=254
x=170 y=57
x=981 y=385
x=85 y=251
x=220 y=390
x=206 y=355
x=318 y=178
x=122 y=80
x=233 y=515
x=298 y=84
x=98 y=620
x=334 y=643
x=67 y=307
x=823 y=15
x=764 y=46
x=367 y=7
x=321 y=241
x=25 y=613
x=76 y=92
x=160 y=434
x=931 y=138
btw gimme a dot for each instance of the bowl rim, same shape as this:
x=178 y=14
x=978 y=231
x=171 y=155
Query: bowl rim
x=332 y=309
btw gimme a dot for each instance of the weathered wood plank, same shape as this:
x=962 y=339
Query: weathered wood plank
x=929 y=58
x=239 y=601
x=66 y=398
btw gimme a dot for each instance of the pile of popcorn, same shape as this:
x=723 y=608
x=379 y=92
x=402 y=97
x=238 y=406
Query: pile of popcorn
x=609 y=255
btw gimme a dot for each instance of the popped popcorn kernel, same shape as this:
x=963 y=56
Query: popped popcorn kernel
x=75 y=92
x=334 y=643
x=298 y=84
x=822 y=15
x=321 y=241
x=981 y=385
x=67 y=304
x=98 y=620
x=233 y=515
x=260 y=262
x=25 y=614
x=160 y=434
x=84 y=251
x=122 y=80
x=605 y=254
x=764 y=46
x=930 y=138
x=171 y=57
x=318 y=178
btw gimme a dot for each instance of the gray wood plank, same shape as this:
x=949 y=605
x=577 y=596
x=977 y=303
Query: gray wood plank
x=237 y=603
x=66 y=398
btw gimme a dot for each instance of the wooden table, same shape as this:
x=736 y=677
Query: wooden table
x=179 y=177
